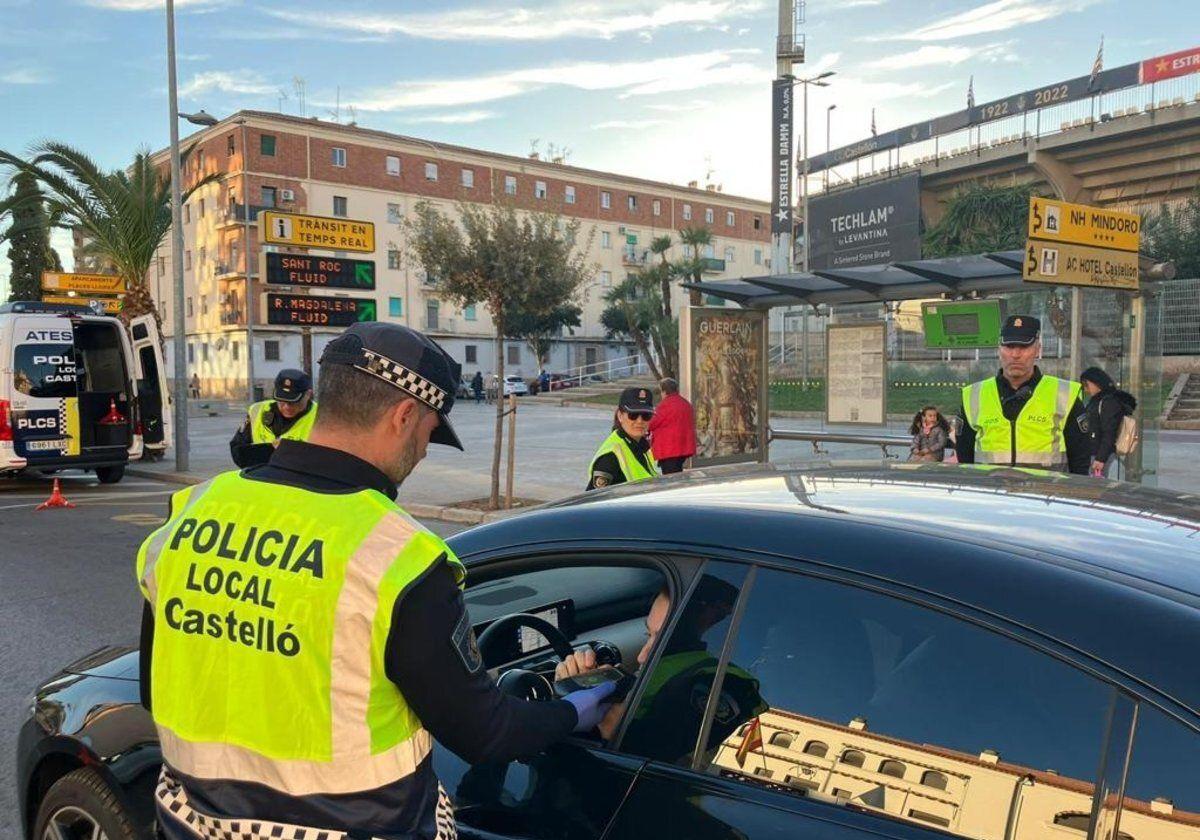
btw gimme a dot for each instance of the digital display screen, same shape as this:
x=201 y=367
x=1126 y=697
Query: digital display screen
x=532 y=640
x=962 y=323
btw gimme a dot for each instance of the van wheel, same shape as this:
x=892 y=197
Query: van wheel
x=110 y=475
x=80 y=804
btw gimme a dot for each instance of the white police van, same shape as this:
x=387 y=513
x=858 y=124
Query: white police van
x=78 y=391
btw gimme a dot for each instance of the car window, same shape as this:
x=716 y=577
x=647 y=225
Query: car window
x=1162 y=786
x=45 y=370
x=671 y=709
x=885 y=706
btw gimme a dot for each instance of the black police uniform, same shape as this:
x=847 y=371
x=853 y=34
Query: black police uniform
x=290 y=386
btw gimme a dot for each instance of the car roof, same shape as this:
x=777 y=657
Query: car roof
x=1060 y=554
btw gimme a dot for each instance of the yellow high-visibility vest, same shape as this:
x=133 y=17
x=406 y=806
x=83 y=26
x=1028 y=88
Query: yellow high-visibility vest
x=261 y=433
x=631 y=467
x=1035 y=438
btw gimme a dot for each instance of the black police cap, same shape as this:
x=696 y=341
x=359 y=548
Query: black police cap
x=291 y=385
x=637 y=399
x=1021 y=330
x=406 y=359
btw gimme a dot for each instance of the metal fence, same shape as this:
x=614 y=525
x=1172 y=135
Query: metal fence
x=1180 y=315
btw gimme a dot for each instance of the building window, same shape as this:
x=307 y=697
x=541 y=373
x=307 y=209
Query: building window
x=605 y=199
x=162 y=266
x=469 y=312
x=892 y=768
x=782 y=739
x=764 y=772
x=929 y=818
x=472 y=354
x=393 y=165
x=191 y=354
x=841 y=793
x=758 y=256
x=190 y=312
x=204 y=351
x=393 y=214
x=606 y=279
x=687 y=212
x=396 y=307
x=235 y=350
x=338 y=156
x=631 y=203
x=605 y=239
x=539 y=189
x=267 y=195
x=757 y=222
x=468 y=178
x=570 y=194
x=818 y=748
x=430 y=171
x=202 y=208
x=729 y=218
x=203 y=257
x=271 y=350
x=431 y=314
x=266 y=145
x=853 y=757
x=729 y=254
x=934 y=779
x=801 y=784
x=232 y=147
x=394 y=258
x=510 y=184
x=656 y=207
x=339 y=205
x=233 y=258
x=514 y=354
x=708 y=215
x=187 y=260
x=187 y=214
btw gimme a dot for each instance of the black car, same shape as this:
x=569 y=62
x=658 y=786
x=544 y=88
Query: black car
x=850 y=652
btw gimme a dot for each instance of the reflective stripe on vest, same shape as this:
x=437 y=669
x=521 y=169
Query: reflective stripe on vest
x=272 y=607
x=260 y=432
x=1040 y=432
x=631 y=467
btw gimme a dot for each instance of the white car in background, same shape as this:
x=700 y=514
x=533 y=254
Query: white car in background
x=515 y=385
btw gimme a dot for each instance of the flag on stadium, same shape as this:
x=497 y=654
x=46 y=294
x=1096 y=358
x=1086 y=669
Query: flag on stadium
x=1098 y=64
x=873 y=131
x=971 y=93
x=751 y=741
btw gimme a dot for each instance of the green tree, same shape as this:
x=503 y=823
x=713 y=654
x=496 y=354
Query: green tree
x=633 y=310
x=509 y=261
x=1173 y=234
x=981 y=218
x=123 y=215
x=28 y=235
x=540 y=329
x=660 y=245
x=691 y=266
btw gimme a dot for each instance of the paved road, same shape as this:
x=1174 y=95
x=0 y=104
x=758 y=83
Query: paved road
x=67 y=587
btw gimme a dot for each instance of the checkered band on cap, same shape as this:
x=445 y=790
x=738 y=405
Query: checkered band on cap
x=405 y=379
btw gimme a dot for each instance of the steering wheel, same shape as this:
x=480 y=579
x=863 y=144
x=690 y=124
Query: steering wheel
x=520 y=682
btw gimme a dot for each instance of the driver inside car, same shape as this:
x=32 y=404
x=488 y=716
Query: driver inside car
x=668 y=717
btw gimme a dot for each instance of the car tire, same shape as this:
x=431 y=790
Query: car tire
x=110 y=475
x=79 y=803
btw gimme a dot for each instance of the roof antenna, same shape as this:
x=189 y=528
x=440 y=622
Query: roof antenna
x=298 y=86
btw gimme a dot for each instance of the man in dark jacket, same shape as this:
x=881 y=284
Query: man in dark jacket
x=1107 y=405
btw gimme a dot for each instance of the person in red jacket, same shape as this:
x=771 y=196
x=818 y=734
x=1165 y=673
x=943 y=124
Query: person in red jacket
x=672 y=429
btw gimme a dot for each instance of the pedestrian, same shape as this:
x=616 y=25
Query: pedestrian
x=195 y=386
x=477 y=386
x=544 y=381
x=930 y=433
x=672 y=429
x=1107 y=406
x=289 y=415
x=493 y=389
x=625 y=454
x=298 y=694
x=1020 y=417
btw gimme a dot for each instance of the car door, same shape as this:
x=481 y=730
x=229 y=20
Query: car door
x=153 y=390
x=840 y=711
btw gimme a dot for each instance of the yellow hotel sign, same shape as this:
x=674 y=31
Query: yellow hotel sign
x=1080 y=265
x=1080 y=224
x=301 y=231
x=91 y=284
x=111 y=305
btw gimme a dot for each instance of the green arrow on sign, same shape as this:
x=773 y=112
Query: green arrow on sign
x=364 y=275
x=366 y=310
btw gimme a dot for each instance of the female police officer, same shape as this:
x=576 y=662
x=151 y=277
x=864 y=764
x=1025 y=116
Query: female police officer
x=625 y=454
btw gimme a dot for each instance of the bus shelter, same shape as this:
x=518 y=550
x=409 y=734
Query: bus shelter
x=820 y=331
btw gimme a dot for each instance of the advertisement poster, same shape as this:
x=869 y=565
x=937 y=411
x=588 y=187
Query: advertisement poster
x=726 y=381
x=872 y=225
x=854 y=382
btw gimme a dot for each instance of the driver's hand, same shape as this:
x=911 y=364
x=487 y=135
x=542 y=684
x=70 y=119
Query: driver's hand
x=579 y=662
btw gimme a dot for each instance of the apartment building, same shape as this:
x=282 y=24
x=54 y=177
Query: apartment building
x=292 y=164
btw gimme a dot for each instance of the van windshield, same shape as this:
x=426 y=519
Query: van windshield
x=45 y=370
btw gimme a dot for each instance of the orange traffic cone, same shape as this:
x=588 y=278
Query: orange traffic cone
x=113 y=417
x=56 y=499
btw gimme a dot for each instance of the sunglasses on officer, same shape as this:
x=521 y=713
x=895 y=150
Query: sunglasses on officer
x=640 y=415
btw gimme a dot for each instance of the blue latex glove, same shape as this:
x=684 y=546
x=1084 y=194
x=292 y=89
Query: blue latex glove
x=590 y=706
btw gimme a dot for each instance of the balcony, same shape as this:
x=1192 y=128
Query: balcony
x=712 y=265
x=635 y=259
x=235 y=214
x=439 y=324
x=231 y=317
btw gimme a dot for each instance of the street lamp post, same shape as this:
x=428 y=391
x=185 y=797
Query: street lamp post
x=828 y=146
x=819 y=82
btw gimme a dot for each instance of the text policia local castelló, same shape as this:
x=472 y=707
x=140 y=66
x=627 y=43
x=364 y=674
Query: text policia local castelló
x=265 y=549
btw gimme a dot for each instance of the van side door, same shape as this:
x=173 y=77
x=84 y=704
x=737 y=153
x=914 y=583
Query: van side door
x=154 y=398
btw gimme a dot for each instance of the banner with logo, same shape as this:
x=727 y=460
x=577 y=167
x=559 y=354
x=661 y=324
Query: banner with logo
x=1170 y=66
x=781 y=156
x=871 y=225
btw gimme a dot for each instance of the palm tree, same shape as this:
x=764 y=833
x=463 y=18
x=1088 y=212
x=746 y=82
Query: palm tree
x=981 y=218
x=660 y=245
x=632 y=310
x=124 y=215
x=695 y=238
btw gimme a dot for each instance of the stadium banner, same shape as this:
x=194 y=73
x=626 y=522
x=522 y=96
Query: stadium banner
x=870 y=225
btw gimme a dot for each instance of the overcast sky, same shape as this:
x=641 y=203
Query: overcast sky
x=665 y=89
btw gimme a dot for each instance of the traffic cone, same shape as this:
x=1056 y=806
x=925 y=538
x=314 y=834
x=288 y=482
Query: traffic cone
x=56 y=499
x=113 y=417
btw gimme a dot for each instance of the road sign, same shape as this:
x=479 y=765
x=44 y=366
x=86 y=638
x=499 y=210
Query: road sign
x=316 y=232
x=111 y=305
x=318 y=310
x=1058 y=221
x=321 y=272
x=973 y=323
x=93 y=284
x=1080 y=265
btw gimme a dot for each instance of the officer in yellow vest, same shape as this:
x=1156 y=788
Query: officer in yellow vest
x=290 y=416
x=625 y=453
x=304 y=640
x=1021 y=417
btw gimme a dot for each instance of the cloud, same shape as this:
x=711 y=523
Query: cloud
x=632 y=78
x=681 y=107
x=464 y=118
x=996 y=16
x=520 y=23
x=153 y=5
x=244 y=82
x=860 y=4
x=24 y=76
x=943 y=56
x=628 y=124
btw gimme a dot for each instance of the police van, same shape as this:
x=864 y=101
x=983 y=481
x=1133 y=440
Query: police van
x=78 y=390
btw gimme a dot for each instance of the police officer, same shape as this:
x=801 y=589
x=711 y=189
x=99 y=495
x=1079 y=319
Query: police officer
x=304 y=640
x=625 y=453
x=1021 y=417
x=290 y=416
